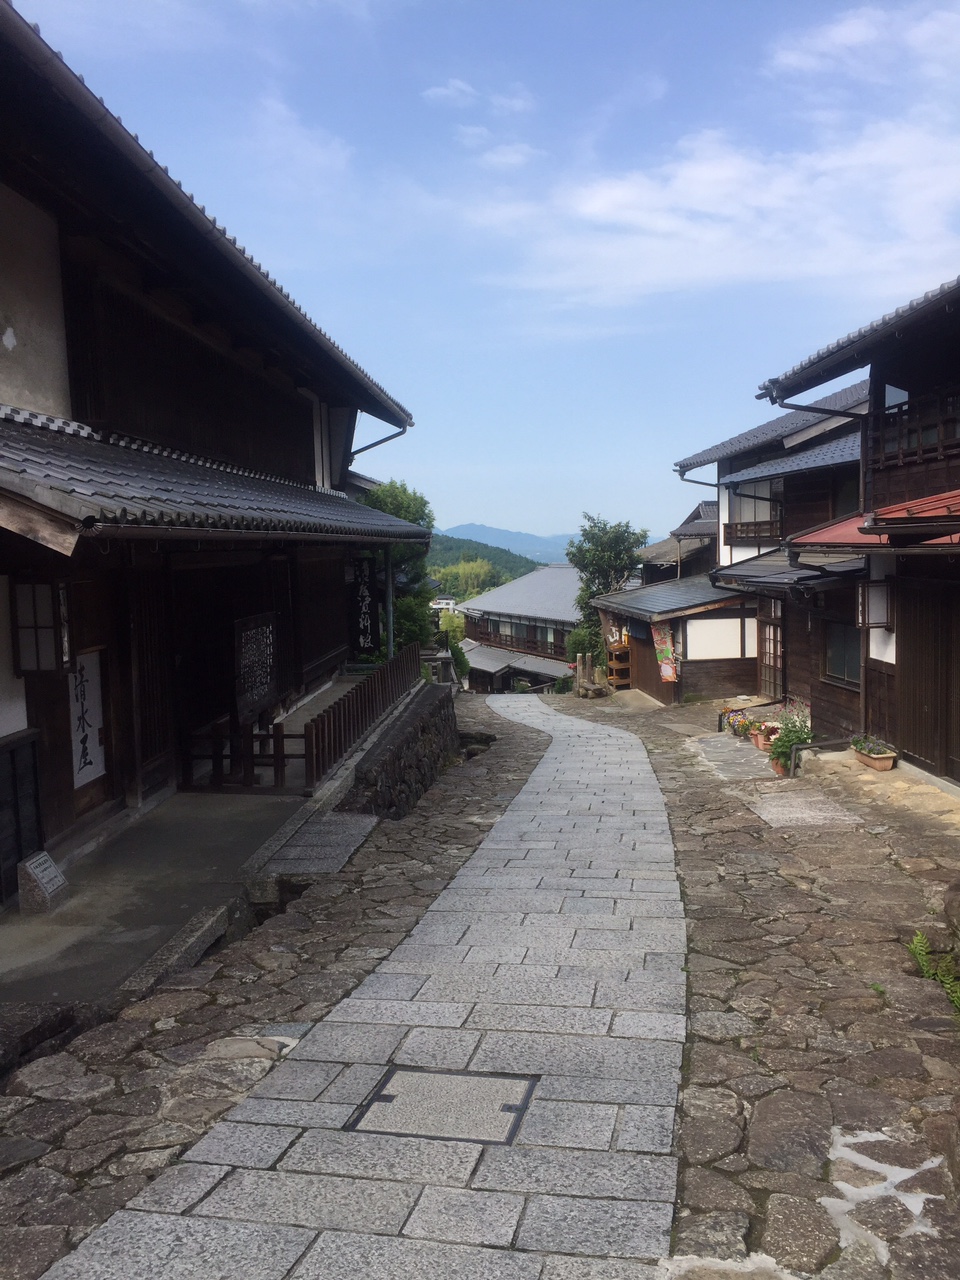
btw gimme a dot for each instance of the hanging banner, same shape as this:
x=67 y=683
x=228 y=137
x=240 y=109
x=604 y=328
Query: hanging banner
x=364 y=613
x=663 y=643
x=86 y=709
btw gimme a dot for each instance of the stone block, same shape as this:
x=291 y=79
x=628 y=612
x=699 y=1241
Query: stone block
x=587 y=1125
x=318 y=1201
x=251 y=1146
x=532 y=1017
x=389 y=986
x=465 y=1217
x=646 y=1129
x=798 y=1233
x=353 y=1084
x=179 y=1188
x=41 y=885
x=374 y=1155
x=132 y=1244
x=515 y=988
x=790 y=1132
x=612 y=1175
x=649 y=1090
x=343 y=1256
x=538 y=1054
x=410 y=1013
x=348 y=1042
x=439 y=1048
x=599 y=1228
x=598 y=1269
x=298 y=1081
x=304 y=1115
x=650 y=1026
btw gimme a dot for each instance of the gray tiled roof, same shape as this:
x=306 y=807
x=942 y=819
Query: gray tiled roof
x=775 y=429
x=831 y=454
x=128 y=483
x=664 y=599
x=701 y=523
x=493 y=661
x=547 y=594
x=663 y=552
x=855 y=350
x=773 y=569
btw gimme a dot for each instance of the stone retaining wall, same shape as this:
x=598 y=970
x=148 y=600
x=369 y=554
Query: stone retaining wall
x=408 y=758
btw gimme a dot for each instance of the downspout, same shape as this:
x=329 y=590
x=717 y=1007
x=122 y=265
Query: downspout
x=383 y=440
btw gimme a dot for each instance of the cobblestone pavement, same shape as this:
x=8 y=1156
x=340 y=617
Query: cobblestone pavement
x=83 y=1131
x=819 y=1113
x=519 y=1056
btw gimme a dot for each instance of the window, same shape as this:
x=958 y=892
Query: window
x=40 y=626
x=771 y=660
x=841 y=653
x=909 y=430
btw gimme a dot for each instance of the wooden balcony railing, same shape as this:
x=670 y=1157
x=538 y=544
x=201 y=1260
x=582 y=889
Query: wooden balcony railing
x=297 y=762
x=521 y=644
x=750 y=531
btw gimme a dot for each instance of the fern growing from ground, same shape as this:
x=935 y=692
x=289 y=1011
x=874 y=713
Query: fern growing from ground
x=943 y=970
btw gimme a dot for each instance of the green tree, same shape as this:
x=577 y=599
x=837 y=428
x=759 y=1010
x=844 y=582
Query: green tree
x=454 y=624
x=412 y=618
x=606 y=556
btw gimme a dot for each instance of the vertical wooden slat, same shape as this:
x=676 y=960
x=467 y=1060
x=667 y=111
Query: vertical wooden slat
x=247 y=754
x=279 y=756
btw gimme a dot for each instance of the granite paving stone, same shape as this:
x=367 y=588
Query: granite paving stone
x=306 y=1115
x=248 y=1146
x=606 y=1175
x=646 y=1128
x=603 y=1228
x=342 y=1256
x=465 y=1217
x=299 y=1081
x=346 y=1042
x=583 y=1125
x=374 y=1155
x=433 y=1047
x=318 y=1201
x=410 y=1013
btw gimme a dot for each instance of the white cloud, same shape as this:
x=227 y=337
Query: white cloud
x=455 y=93
x=513 y=103
x=509 y=155
x=868 y=204
x=473 y=135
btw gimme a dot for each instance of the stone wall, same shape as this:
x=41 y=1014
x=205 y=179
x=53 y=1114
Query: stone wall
x=408 y=758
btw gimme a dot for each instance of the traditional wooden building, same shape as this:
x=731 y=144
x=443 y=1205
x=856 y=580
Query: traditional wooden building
x=532 y=614
x=772 y=481
x=175 y=433
x=899 y=646
x=690 y=549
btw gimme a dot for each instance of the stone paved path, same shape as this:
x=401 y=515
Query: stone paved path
x=555 y=954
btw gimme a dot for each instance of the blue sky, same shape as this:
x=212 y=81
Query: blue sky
x=572 y=236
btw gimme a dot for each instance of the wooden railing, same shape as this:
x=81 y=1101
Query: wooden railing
x=323 y=743
x=752 y=531
x=520 y=644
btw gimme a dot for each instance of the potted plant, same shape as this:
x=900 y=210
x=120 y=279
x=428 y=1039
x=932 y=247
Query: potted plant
x=766 y=732
x=873 y=752
x=794 y=731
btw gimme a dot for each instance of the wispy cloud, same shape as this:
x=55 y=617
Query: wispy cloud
x=868 y=204
x=455 y=93
x=509 y=155
x=473 y=135
x=516 y=102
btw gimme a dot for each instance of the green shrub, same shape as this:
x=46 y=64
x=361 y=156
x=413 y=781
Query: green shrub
x=794 y=731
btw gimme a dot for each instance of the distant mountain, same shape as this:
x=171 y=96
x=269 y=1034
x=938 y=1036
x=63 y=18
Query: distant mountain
x=445 y=551
x=546 y=550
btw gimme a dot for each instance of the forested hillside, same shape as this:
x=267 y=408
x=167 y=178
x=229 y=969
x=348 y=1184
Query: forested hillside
x=445 y=551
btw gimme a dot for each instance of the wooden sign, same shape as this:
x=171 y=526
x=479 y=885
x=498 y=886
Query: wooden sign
x=364 y=612
x=257 y=668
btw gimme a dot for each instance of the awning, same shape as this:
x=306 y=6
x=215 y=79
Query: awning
x=677 y=598
x=772 y=574
x=857 y=535
x=118 y=486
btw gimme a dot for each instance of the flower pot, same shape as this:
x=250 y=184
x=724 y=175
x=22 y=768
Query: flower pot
x=756 y=737
x=781 y=770
x=881 y=762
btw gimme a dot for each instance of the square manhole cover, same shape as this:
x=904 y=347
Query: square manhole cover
x=469 y=1106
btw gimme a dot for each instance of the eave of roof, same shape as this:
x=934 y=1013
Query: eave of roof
x=674 y=599
x=546 y=594
x=834 y=453
x=769 y=433
x=856 y=350
x=128 y=488
x=771 y=572
x=50 y=65
x=853 y=535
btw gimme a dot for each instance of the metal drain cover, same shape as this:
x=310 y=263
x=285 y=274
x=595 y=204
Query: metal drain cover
x=469 y=1106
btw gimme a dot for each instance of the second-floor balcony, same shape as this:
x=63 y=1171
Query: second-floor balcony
x=521 y=644
x=749 y=532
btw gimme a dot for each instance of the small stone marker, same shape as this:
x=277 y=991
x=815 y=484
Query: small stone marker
x=41 y=883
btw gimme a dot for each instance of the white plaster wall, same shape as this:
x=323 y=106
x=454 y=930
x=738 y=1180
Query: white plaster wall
x=713 y=638
x=725 y=553
x=750 y=638
x=33 y=347
x=13 y=707
x=883 y=645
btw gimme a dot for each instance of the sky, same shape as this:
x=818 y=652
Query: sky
x=571 y=236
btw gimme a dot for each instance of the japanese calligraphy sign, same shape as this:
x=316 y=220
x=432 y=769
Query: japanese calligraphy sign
x=86 y=720
x=257 y=669
x=364 y=613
